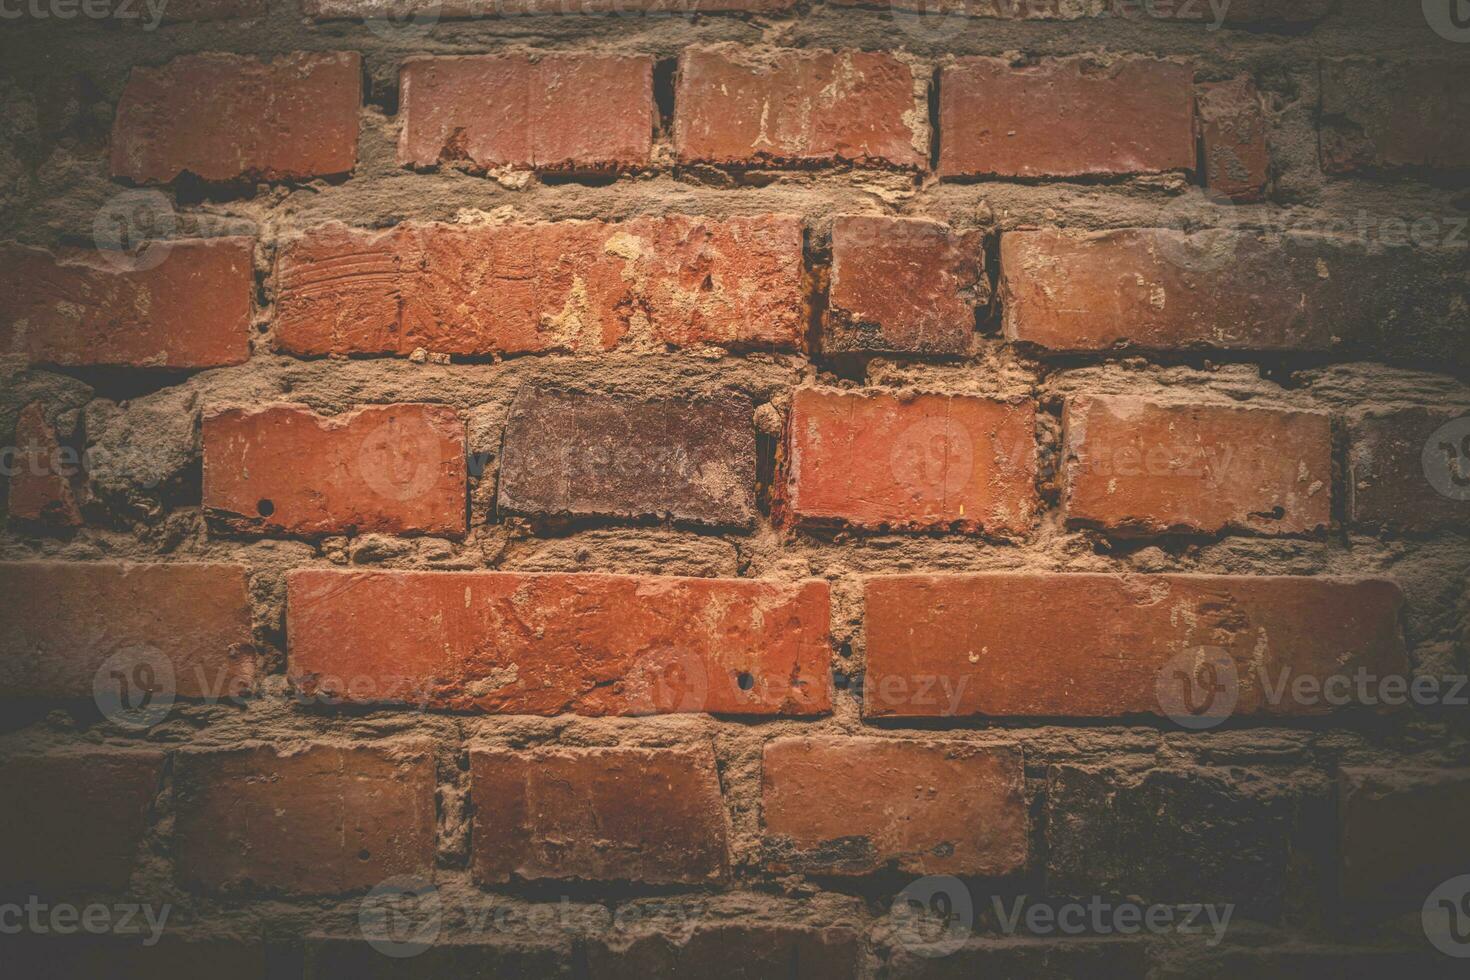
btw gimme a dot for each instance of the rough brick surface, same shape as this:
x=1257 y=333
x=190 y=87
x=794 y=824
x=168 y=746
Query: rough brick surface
x=183 y=304
x=283 y=469
x=583 y=455
x=74 y=821
x=1400 y=833
x=875 y=460
x=745 y=107
x=1065 y=118
x=225 y=117
x=405 y=10
x=904 y=286
x=994 y=644
x=1236 y=161
x=730 y=950
x=1139 y=467
x=1391 y=459
x=580 y=113
x=40 y=484
x=1259 y=13
x=619 y=814
x=1383 y=115
x=551 y=643
x=319 y=819
x=1074 y=956
x=67 y=619
x=854 y=805
x=583 y=286
x=330 y=958
x=50 y=956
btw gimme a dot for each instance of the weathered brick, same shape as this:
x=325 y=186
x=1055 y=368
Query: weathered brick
x=1065 y=118
x=331 y=958
x=1136 y=466
x=876 y=460
x=998 y=644
x=855 y=805
x=1401 y=833
x=1236 y=161
x=455 y=9
x=583 y=455
x=607 y=814
x=1045 y=959
x=1385 y=115
x=66 y=619
x=745 y=107
x=904 y=286
x=551 y=643
x=729 y=950
x=40 y=484
x=283 y=469
x=181 y=304
x=1256 y=13
x=74 y=820
x=1202 y=834
x=48 y=956
x=318 y=819
x=577 y=113
x=1391 y=457
x=225 y=117
x=1193 y=961
x=583 y=286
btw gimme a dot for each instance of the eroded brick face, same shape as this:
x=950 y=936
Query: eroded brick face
x=1390 y=115
x=623 y=814
x=1410 y=469
x=41 y=487
x=1399 y=831
x=545 y=644
x=1237 y=163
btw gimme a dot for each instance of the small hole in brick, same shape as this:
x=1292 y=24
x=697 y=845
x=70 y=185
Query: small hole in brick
x=265 y=508
x=364 y=854
x=745 y=680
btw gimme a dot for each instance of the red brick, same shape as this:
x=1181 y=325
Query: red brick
x=1065 y=118
x=920 y=462
x=183 y=304
x=729 y=950
x=363 y=9
x=74 y=820
x=607 y=814
x=582 y=286
x=1136 y=466
x=904 y=286
x=224 y=117
x=1233 y=134
x=283 y=469
x=318 y=819
x=65 y=619
x=545 y=644
x=1096 y=646
x=1381 y=116
x=576 y=454
x=1402 y=833
x=1390 y=458
x=855 y=805
x=1261 y=13
x=40 y=489
x=739 y=107
x=579 y=113
x=1160 y=289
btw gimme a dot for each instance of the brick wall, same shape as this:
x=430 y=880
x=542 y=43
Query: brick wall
x=735 y=488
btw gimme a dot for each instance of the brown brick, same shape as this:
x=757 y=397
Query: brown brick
x=318 y=819
x=549 y=958
x=551 y=643
x=607 y=814
x=1381 y=116
x=283 y=469
x=53 y=957
x=183 y=304
x=586 y=455
x=477 y=9
x=745 y=107
x=729 y=950
x=855 y=805
x=876 y=460
x=225 y=117
x=1256 y=13
x=1135 y=466
x=1065 y=118
x=1402 y=834
x=1391 y=457
x=66 y=619
x=74 y=820
x=904 y=286
x=1236 y=161
x=40 y=487
x=1101 y=646
x=582 y=286
x=578 y=113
